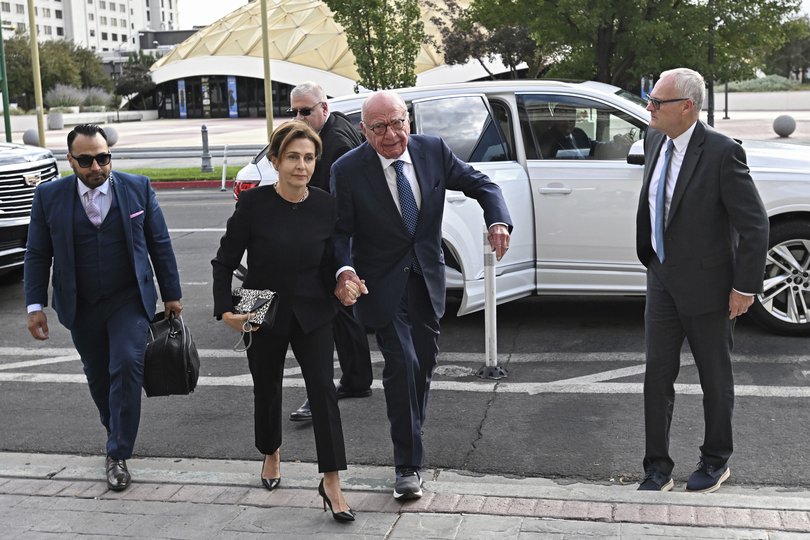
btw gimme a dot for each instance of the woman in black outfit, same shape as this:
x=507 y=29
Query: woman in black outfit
x=286 y=229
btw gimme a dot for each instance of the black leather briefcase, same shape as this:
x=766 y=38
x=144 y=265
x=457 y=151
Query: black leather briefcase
x=171 y=365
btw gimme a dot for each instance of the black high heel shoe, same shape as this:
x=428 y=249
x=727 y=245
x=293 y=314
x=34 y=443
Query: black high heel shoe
x=269 y=483
x=343 y=517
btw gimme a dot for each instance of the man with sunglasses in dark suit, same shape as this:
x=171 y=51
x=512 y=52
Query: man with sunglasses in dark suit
x=308 y=104
x=99 y=230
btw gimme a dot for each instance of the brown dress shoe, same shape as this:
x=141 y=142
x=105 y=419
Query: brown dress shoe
x=118 y=478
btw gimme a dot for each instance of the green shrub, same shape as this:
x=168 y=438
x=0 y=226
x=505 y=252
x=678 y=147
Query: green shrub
x=62 y=95
x=93 y=108
x=769 y=83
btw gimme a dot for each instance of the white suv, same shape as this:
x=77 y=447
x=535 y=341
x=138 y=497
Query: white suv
x=574 y=211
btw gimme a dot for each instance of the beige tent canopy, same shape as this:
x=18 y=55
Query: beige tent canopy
x=305 y=43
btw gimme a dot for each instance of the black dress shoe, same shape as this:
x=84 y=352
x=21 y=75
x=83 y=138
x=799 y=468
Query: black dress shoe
x=343 y=392
x=118 y=477
x=302 y=413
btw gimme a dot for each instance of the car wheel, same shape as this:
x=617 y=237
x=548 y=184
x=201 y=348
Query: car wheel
x=784 y=305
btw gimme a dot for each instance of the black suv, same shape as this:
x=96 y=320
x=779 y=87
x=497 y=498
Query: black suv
x=22 y=168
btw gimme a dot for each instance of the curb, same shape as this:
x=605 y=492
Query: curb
x=220 y=482
x=182 y=184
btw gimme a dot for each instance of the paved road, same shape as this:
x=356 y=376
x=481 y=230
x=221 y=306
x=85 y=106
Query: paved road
x=570 y=407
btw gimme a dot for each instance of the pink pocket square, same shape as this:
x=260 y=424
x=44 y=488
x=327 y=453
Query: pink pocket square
x=136 y=214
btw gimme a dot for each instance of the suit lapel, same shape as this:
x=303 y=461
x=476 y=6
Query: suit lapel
x=690 y=161
x=69 y=195
x=380 y=190
x=651 y=158
x=423 y=177
x=122 y=196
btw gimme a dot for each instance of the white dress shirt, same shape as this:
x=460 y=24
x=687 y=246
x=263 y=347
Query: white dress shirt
x=678 y=153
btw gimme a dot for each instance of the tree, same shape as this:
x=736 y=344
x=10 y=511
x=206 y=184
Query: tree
x=91 y=69
x=464 y=38
x=618 y=41
x=794 y=56
x=136 y=78
x=60 y=63
x=384 y=36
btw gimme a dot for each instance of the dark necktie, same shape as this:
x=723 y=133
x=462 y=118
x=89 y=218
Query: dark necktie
x=407 y=202
x=407 y=205
x=661 y=202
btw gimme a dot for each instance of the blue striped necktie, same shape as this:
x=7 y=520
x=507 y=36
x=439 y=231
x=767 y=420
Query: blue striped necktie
x=661 y=202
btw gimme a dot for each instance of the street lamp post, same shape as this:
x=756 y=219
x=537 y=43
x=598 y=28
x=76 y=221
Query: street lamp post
x=32 y=22
x=710 y=75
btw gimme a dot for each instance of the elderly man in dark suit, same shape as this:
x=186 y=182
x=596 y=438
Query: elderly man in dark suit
x=99 y=229
x=308 y=103
x=390 y=193
x=702 y=233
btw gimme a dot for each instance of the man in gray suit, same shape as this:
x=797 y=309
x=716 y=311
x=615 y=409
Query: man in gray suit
x=702 y=233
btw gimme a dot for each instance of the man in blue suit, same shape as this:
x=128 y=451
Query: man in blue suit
x=390 y=193
x=99 y=230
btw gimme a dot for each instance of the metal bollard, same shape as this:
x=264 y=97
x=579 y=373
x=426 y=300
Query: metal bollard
x=224 y=167
x=206 y=155
x=491 y=369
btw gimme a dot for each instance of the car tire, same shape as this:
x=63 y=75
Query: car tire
x=784 y=305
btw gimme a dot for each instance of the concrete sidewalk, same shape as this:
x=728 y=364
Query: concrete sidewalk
x=44 y=495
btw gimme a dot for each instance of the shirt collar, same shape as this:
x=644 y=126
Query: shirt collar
x=103 y=188
x=406 y=157
x=682 y=140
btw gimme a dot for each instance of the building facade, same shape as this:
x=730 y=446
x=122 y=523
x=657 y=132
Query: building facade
x=110 y=26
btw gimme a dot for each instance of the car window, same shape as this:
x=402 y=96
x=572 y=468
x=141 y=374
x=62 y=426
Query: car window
x=502 y=114
x=569 y=127
x=465 y=124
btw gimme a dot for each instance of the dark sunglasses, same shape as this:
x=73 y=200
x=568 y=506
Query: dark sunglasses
x=86 y=161
x=303 y=111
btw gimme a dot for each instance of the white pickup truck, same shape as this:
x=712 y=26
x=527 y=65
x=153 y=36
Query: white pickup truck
x=574 y=205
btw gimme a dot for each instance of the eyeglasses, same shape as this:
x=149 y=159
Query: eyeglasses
x=86 y=161
x=303 y=111
x=656 y=103
x=397 y=124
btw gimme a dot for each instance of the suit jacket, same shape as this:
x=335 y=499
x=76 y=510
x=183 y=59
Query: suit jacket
x=338 y=136
x=371 y=236
x=51 y=242
x=289 y=251
x=716 y=233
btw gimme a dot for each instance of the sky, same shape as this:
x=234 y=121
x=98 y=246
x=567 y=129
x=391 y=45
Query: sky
x=202 y=13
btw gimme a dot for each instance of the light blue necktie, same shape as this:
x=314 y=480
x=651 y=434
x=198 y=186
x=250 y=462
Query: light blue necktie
x=407 y=205
x=661 y=203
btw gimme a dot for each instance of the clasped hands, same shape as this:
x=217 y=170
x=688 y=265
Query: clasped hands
x=349 y=288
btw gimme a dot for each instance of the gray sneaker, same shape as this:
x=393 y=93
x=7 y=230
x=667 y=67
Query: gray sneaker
x=408 y=484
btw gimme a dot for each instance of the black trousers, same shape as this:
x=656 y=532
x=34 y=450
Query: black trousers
x=313 y=351
x=409 y=345
x=352 y=350
x=710 y=339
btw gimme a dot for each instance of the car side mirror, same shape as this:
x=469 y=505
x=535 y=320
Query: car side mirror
x=636 y=154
